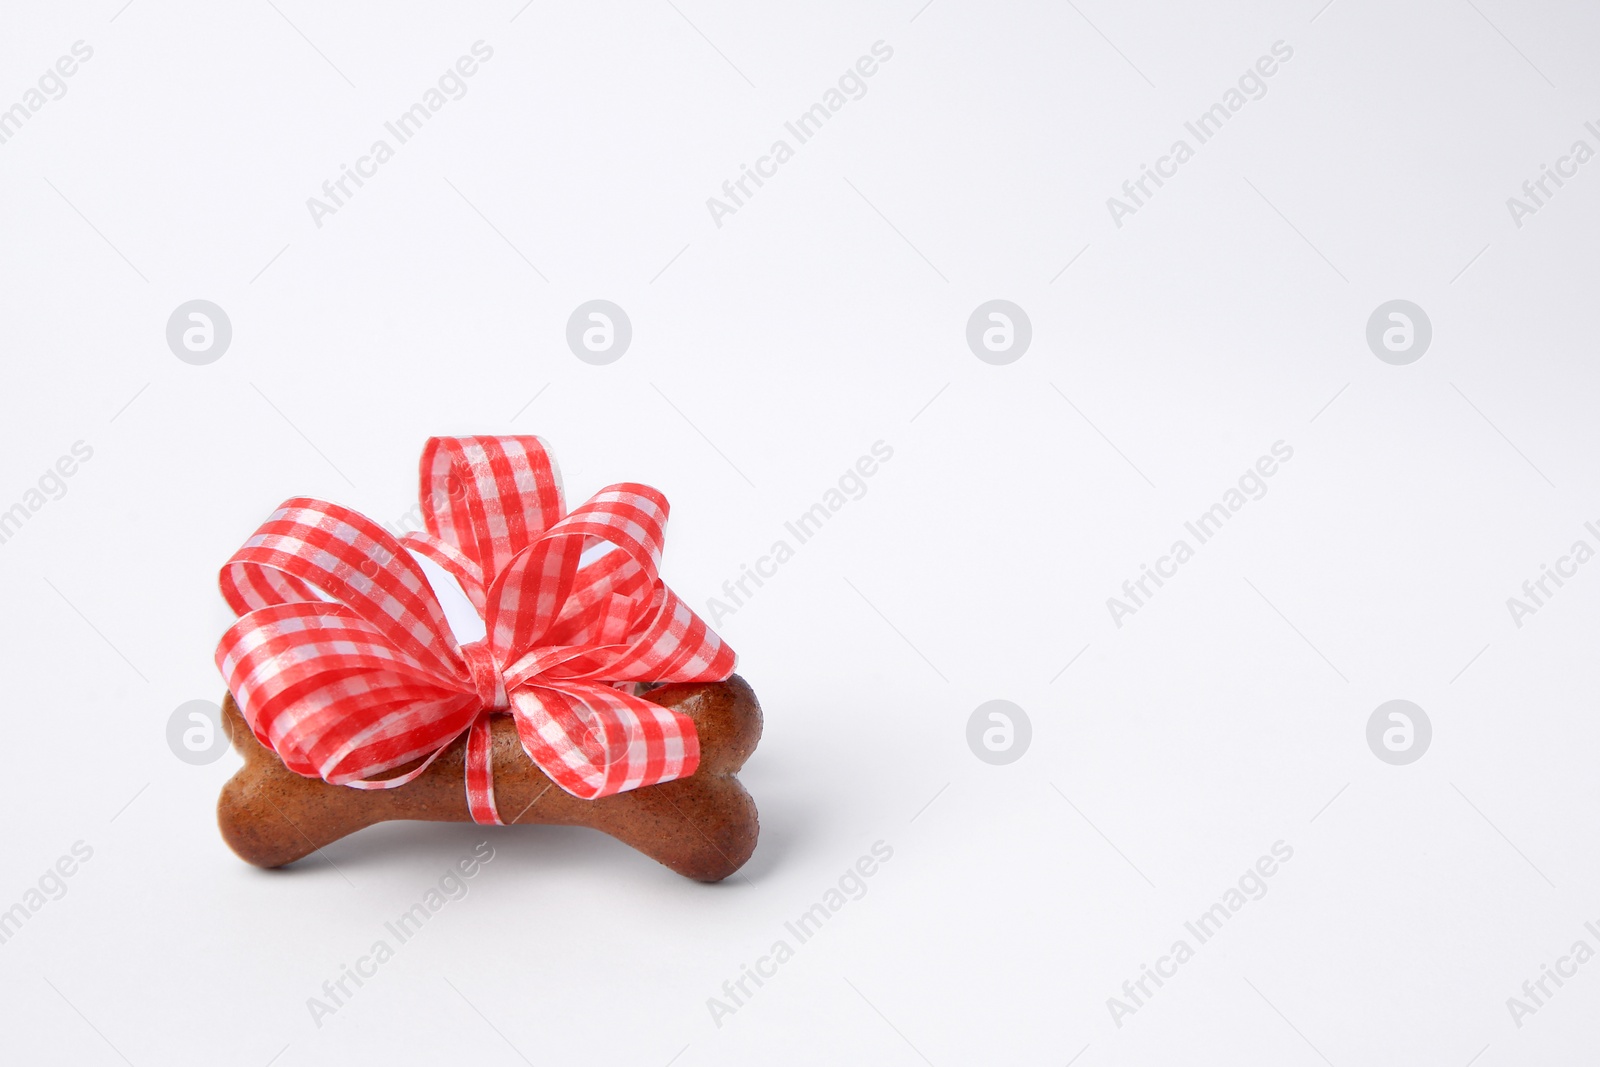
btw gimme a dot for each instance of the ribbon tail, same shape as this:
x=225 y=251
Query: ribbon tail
x=480 y=773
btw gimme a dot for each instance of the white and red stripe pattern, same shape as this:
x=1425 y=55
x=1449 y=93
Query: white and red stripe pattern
x=343 y=663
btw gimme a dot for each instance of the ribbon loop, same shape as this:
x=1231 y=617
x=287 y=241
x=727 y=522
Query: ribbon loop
x=490 y=497
x=342 y=660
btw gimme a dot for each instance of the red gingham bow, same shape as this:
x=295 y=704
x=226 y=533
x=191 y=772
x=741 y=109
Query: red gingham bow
x=343 y=663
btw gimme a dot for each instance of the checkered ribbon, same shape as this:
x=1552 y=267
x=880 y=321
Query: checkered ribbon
x=343 y=663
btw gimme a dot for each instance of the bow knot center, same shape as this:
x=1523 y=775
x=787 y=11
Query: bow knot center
x=486 y=675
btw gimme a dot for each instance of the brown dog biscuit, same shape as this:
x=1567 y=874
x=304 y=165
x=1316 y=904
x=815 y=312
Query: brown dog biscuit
x=703 y=826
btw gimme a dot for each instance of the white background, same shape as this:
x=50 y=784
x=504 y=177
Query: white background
x=769 y=353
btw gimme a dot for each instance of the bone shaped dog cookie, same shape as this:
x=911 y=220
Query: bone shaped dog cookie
x=703 y=827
